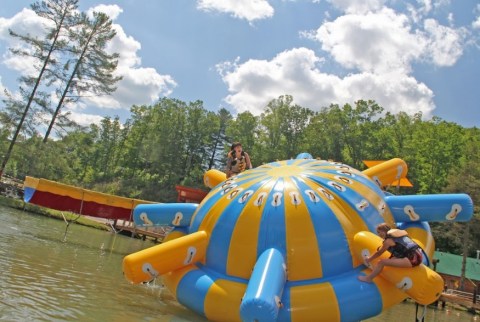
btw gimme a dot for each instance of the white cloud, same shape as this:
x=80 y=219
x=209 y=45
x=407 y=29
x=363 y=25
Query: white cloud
x=445 y=45
x=358 y=7
x=374 y=42
x=476 y=23
x=113 y=11
x=244 y=9
x=377 y=47
x=85 y=119
x=296 y=72
x=23 y=23
x=140 y=85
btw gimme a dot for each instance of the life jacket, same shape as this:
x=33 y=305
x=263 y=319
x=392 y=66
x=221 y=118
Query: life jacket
x=403 y=247
x=237 y=165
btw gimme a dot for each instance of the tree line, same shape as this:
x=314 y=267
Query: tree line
x=174 y=142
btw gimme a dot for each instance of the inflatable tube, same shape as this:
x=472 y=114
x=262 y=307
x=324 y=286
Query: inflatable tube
x=420 y=283
x=264 y=291
x=387 y=172
x=149 y=263
x=441 y=207
x=213 y=177
x=164 y=214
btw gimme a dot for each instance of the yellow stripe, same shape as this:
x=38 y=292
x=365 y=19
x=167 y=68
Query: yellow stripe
x=368 y=194
x=302 y=246
x=30 y=182
x=223 y=300
x=349 y=219
x=315 y=302
x=242 y=253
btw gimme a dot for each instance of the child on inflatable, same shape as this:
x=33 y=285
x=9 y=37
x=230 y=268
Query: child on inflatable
x=405 y=252
x=237 y=160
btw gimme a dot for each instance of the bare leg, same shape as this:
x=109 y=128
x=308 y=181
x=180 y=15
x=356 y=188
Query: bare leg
x=393 y=262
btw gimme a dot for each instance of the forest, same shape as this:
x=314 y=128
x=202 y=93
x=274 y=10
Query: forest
x=174 y=142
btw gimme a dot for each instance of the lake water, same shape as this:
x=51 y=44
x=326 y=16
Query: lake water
x=48 y=273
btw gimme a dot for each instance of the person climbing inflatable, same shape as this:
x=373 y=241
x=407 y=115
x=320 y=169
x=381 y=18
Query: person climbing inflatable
x=404 y=251
x=237 y=160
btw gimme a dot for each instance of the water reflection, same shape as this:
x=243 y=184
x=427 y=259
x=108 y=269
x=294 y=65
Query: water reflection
x=50 y=275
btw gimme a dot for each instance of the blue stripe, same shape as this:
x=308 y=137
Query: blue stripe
x=356 y=300
x=370 y=214
x=192 y=290
x=221 y=235
x=272 y=231
x=217 y=193
x=202 y=210
x=331 y=239
x=359 y=177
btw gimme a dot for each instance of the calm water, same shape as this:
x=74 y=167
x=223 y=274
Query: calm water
x=49 y=275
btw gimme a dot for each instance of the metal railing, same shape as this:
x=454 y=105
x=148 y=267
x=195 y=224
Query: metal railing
x=464 y=295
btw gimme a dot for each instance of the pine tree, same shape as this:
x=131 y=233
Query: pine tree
x=60 y=13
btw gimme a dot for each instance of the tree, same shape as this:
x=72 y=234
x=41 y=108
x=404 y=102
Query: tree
x=219 y=139
x=93 y=68
x=244 y=128
x=60 y=13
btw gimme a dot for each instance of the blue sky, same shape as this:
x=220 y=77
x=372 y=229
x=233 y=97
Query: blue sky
x=412 y=56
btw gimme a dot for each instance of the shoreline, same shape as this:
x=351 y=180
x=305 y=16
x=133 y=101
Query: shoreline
x=55 y=214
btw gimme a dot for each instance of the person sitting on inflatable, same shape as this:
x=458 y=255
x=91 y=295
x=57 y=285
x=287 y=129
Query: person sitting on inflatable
x=405 y=252
x=237 y=160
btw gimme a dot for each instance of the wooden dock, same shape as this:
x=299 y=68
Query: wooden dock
x=128 y=228
x=464 y=299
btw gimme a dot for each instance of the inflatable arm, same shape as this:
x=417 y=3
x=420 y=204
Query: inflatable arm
x=164 y=214
x=145 y=265
x=441 y=207
x=264 y=290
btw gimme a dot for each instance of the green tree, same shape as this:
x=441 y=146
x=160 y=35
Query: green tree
x=219 y=139
x=323 y=138
x=435 y=148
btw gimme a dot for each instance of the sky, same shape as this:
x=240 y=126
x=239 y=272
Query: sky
x=407 y=55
